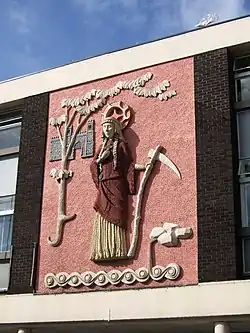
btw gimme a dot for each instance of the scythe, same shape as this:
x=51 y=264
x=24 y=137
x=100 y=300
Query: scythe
x=154 y=155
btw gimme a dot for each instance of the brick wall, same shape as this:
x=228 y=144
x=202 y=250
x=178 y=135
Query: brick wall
x=29 y=192
x=216 y=173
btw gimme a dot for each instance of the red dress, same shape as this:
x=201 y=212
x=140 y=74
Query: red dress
x=114 y=185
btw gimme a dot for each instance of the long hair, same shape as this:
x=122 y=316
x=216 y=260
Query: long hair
x=107 y=145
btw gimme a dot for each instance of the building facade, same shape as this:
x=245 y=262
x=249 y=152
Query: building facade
x=125 y=189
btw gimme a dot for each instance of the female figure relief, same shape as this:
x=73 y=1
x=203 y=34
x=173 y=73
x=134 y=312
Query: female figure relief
x=113 y=173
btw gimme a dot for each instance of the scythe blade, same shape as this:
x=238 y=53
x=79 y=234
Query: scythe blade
x=165 y=160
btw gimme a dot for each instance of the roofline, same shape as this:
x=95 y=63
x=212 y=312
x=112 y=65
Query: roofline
x=229 y=33
x=122 y=49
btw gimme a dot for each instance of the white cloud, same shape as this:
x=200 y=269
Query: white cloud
x=129 y=4
x=19 y=17
x=191 y=11
x=103 y=5
x=170 y=17
x=91 y=6
x=163 y=17
x=21 y=22
x=105 y=25
x=120 y=13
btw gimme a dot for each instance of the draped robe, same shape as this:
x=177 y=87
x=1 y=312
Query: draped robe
x=114 y=185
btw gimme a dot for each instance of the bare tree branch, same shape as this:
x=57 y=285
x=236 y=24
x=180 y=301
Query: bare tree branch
x=79 y=126
x=71 y=119
x=58 y=127
x=79 y=118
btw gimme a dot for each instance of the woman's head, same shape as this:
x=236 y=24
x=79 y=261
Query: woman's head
x=110 y=127
x=108 y=130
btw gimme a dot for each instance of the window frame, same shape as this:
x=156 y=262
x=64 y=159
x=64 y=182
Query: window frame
x=247 y=109
x=243 y=173
x=8 y=120
x=244 y=271
x=244 y=227
x=245 y=210
x=238 y=78
x=7 y=212
x=8 y=123
x=237 y=70
x=6 y=254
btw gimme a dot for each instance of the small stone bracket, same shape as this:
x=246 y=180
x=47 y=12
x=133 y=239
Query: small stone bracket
x=170 y=234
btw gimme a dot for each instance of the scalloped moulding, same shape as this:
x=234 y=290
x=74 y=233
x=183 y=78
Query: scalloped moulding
x=113 y=277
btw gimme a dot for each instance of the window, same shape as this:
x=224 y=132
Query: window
x=9 y=147
x=242 y=106
x=242 y=64
x=246 y=256
x=242 y=88
x=9 y=136
x=6 y=217
x=242 y=82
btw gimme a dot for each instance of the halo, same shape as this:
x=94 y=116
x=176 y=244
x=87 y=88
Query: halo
x=119 y=111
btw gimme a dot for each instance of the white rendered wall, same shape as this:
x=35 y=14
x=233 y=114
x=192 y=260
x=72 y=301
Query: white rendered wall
x=205 y=300
x=169 y=49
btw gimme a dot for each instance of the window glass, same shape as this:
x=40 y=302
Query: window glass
x=9 y=135
x=4 y=276
x=8 y=175
x=246 y=255
x=245 y=192
x=6 y=219
x=5 y=232
x=243 y=89
x=242 y=105
x=244 y=168
x=242 y=63
x=9 y=146
x=244 y=133
x=7 y=203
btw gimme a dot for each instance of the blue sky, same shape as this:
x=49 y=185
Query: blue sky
x=40 y=34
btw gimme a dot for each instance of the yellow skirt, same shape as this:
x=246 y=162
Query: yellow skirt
x=108 y=240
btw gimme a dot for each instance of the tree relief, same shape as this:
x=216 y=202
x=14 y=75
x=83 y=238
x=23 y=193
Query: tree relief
x=78 y=111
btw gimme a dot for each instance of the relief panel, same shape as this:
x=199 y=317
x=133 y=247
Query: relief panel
x=121 y=210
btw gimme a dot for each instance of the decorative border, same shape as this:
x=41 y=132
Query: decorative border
x=113 y=277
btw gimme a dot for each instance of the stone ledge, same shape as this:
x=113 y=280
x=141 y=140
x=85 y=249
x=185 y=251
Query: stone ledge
x=204 y=300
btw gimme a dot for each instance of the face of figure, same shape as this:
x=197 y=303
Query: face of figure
x=108 y=130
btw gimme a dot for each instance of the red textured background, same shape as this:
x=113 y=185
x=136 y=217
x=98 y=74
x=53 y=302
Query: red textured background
x=167 y=199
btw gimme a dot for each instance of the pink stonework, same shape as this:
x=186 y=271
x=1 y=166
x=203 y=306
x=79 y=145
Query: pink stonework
x=167 y=199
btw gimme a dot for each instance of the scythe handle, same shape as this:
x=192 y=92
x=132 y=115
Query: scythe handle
x=137 y=218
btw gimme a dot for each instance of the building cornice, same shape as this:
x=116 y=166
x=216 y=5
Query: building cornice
x=169 y=49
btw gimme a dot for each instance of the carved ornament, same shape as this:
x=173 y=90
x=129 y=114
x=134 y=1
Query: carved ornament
x=113 y=277
x=136 y=86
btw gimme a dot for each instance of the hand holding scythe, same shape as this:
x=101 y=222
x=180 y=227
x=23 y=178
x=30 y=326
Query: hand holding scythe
x=154 y=155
